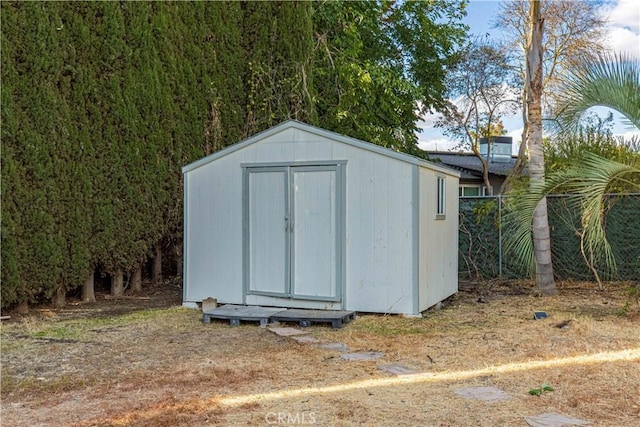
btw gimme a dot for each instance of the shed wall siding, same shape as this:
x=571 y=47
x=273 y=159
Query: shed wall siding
x=214 y=232
x=379 y=232
x=438 y=240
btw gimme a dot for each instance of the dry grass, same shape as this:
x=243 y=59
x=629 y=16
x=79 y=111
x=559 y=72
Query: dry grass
x=164 y=367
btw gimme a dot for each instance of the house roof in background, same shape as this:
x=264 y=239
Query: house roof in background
x=469 y=165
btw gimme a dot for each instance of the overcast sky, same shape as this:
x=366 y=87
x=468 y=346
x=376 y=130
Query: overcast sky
x=624 y=35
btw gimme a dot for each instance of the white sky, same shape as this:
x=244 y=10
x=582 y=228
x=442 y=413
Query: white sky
x=624 y=36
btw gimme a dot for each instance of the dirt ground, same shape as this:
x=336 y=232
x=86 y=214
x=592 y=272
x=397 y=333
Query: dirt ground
x=145 y=361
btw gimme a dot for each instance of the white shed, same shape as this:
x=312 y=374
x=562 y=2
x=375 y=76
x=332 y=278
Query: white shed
x=301 y=217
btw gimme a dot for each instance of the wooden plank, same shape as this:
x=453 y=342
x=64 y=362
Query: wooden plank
x=237 y=313
x=324 y=315
x=264 y=315
x=248 y=311
x=305 y=318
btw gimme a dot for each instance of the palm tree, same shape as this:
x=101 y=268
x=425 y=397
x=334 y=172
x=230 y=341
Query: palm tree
x=586 y=185
x=540 y=220
x=612 y=81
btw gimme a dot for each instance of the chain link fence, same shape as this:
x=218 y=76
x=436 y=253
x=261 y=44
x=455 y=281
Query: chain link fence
x=482 y=233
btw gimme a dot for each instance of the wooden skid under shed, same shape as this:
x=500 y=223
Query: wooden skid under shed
x=237 y=313
x=264 y=315
x=337 y=318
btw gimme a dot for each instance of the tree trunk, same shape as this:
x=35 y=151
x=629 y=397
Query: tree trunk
x=60 y=297
x=136 y=281
x=485 y=178
x=485 y=165
x=23 y=307
x=156 y=272
x=117 y=283
x=179 y=265
x=540 y=225
x=88 y=290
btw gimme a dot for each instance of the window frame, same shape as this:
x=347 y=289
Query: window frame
x=482 y=190
x=441 y=197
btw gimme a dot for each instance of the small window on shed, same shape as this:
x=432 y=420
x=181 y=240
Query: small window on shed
x=440 y=212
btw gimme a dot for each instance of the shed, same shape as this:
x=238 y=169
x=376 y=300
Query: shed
x=301 y=217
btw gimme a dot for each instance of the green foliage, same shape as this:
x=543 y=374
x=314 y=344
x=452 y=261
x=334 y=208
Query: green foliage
x=540 y=391
x=609 y=80
x=478 y=241
x=563 y=151
x=278 y=45
x=483 y=210
x=104 y=102
x=378 y=63
x=33 y=148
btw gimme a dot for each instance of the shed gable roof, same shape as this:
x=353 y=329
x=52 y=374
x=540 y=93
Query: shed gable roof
x=320 y=132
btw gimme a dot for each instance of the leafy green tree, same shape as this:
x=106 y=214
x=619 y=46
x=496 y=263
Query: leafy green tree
x=13 y=289
x=586 y=184
x=564 y=150
x=102 y=104
x=378 y=64
x=219 y=62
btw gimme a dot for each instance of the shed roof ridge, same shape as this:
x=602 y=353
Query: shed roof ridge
x=293 y=123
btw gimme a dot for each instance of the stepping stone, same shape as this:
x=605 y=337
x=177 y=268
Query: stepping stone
x=364 y=355
x=397 y=369
x=487 y=394
x=554 y=420
x=287 y=332
x=305 y=339
x=336 y=346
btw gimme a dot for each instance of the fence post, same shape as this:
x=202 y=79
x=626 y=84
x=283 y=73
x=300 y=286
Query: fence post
x=499 y=235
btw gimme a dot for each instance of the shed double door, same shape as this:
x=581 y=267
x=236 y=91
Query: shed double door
x=292 y=226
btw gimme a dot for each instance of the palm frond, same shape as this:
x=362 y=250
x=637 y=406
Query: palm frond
x=597 y=176
x=611 y=80
x=586 y=186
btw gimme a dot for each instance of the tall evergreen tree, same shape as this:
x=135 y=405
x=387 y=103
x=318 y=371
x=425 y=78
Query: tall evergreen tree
x=34 y=143
x=278 y=50
x=104 y=102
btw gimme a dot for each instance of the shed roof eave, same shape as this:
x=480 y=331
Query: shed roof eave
x=324 y=133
